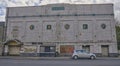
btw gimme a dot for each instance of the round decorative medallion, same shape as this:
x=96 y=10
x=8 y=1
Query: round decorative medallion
x=67 y=26
x=103 y=26
x=32 y=27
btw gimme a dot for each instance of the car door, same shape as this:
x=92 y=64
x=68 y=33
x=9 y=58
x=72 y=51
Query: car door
x=83 y=54
x=80 y=54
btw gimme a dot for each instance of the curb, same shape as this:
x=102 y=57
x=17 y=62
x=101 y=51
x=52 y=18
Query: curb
x=53 y=58
x=37 y=58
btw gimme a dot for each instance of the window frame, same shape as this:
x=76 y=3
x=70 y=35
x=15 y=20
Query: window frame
x=85 y=26
x=58 y=8
x=32 y=27
x=67 y=26
x=103 y=26
x=49 y=27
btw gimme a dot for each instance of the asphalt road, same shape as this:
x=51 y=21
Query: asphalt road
x=70 y=62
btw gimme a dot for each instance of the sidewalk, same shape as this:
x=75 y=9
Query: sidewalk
x=34 y=58
x=51 y=58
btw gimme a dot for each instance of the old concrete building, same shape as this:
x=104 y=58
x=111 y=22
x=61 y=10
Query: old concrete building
x=34 y=30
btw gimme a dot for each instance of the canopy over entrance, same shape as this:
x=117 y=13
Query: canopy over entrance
x=13 y=42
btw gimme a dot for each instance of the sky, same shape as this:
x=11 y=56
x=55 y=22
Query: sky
x=17 y=3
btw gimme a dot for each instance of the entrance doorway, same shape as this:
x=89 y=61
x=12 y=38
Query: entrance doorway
x=86 y=47
x=47 y=51
x=105 y=50
x=12 y=48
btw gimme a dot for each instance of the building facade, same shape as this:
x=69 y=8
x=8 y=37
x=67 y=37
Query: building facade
x=61 y=28
x=2 y=36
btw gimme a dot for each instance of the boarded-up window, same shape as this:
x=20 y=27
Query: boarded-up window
x=30 y=49
x=66 y=48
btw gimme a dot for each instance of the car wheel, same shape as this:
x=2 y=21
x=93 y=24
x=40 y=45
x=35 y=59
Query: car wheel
x=92 y=57
x=75 y=57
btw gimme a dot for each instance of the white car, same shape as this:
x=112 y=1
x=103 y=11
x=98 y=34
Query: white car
x=83 y=54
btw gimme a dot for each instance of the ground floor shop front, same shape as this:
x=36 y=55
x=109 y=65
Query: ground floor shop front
x=58 y=49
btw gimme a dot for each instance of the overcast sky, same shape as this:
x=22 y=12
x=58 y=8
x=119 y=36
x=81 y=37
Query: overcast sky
x=16 y=3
